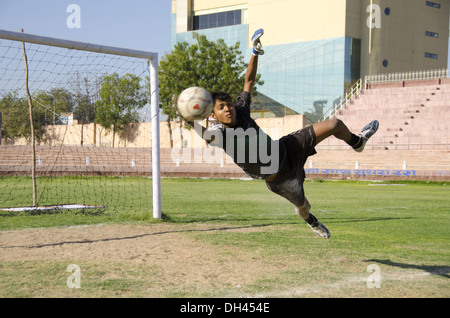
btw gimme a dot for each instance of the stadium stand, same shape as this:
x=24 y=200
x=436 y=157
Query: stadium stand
x=411 y=143
x=413 y=137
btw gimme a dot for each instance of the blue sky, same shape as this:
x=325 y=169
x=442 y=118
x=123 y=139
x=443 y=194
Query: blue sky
x=134 y=24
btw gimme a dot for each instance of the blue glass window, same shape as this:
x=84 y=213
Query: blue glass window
x=432 y=34
x=433 y=4
x=431 y=55
x=220 y=19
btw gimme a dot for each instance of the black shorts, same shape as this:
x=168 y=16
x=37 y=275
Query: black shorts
x=295 y=148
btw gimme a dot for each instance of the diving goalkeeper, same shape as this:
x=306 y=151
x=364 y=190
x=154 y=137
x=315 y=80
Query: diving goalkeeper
x=239 y=135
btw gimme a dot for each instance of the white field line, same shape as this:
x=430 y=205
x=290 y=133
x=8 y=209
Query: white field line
x=352 y=281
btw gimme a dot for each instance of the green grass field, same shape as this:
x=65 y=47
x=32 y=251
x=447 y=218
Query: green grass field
x=238 y=240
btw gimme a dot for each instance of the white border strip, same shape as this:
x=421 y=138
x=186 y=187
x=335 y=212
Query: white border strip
x=52 y=207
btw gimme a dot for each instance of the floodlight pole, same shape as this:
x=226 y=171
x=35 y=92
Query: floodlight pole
x=156 y=171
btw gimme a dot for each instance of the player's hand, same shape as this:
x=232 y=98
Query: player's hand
x=257 y=46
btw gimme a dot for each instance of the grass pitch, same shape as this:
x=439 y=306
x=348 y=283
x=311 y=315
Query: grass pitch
x=236 y=239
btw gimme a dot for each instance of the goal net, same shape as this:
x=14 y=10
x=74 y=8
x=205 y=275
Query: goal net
x=79 y=126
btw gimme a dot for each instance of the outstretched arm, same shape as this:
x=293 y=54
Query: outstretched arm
x=250 y=76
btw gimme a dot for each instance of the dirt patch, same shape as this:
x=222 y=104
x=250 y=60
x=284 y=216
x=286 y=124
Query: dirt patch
x=178 y=258
x=162 y=260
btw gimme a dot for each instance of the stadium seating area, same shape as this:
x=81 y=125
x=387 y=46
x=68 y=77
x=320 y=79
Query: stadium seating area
x=119 y=161
x=413 y=134
x=412 y=143
x=413 y=116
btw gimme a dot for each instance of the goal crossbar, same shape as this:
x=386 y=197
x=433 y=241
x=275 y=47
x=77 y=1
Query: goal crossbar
x=154 y=84
x=75 y=45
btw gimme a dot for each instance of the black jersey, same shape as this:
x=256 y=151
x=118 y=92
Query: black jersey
x=246 y=143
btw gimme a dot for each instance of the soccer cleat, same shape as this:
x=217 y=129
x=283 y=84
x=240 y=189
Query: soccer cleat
x=367 y=132
x=319 y=228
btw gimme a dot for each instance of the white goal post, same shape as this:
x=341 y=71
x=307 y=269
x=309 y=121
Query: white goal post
x=154 y=100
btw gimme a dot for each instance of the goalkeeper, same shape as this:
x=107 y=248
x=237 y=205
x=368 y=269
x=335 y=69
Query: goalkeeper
x=289 y=153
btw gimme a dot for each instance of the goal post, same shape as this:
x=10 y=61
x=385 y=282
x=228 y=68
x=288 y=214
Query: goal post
x=152 y=65
x=156 y=172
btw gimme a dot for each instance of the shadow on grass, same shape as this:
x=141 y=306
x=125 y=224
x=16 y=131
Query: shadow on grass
x=84 y=241
x=433 y=270
x=353 y=220
x=292 y=219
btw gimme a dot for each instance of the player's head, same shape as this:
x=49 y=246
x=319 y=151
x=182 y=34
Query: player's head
x=223 y=109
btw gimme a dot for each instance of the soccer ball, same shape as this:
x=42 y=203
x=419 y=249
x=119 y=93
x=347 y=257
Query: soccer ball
x=195 y=103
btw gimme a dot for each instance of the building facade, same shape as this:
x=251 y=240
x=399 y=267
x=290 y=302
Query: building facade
x=316 y=50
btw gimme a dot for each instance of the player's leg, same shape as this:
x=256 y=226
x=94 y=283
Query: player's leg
x=333 y=127
x=291 y=188
x=336 y=127
x=304 y=212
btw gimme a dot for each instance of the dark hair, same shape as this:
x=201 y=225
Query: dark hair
x=221 y=96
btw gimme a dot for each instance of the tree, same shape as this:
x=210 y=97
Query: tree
x=15 y=117
x=85 y=110
x=48 y=105
x=211 y=65
x=53 y=103
x=120 y=98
